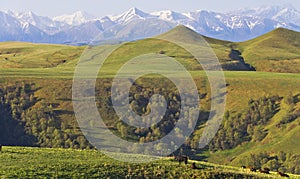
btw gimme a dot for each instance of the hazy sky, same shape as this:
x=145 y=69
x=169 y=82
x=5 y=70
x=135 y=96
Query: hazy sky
x=100 y=8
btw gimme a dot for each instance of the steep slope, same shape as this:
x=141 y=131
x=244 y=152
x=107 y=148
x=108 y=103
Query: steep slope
x=274 y=142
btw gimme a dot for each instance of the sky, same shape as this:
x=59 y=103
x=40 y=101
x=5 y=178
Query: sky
x=100 y=8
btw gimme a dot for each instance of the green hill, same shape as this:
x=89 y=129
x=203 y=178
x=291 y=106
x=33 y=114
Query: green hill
x=276 y=51
x=223 y=49
x=28 y=55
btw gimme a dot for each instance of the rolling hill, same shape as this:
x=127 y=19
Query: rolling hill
x=29 y=55
x=276 y=51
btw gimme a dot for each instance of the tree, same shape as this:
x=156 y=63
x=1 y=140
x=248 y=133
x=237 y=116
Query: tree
x=289 y=99
x=258 y=133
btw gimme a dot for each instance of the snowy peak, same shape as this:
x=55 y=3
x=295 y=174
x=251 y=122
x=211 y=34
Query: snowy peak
x=45 y=24
x=136 y=11
x=24 y=17
x=130 y=15
x=74 y=19
x=169 y=15
x=30 y=17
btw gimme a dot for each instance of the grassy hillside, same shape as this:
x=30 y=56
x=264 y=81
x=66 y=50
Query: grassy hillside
x=28 y=55
x=55 y=91
x=184 y=34
x=275 y=137
x=276 y=51
x=36 y=96
x=18 y=162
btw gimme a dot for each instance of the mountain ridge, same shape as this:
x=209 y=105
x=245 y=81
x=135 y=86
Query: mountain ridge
x=136 y=24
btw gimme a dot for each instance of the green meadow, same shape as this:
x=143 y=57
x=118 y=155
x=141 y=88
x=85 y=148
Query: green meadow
x=27 y=162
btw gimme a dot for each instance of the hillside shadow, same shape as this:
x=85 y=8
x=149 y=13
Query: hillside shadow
x=13 y=132
x=297 y=98
x=64 y=99
x=197 y=155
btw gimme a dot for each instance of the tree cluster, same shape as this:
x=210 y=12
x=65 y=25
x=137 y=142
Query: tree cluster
x=247 y=126
x=28 y=121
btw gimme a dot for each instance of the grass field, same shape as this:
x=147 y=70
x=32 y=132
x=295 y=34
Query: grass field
x=20 y=162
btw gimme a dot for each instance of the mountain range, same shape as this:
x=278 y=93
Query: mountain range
x=83 y=28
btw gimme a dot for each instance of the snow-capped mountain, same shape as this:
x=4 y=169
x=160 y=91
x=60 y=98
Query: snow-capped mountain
x=45 y=24
x=75 y=19
x=279 y=13
x=170 y=16
x=130 y=15
x=12 y=29
x=80 y=27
